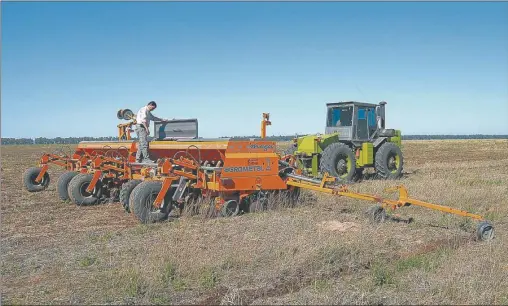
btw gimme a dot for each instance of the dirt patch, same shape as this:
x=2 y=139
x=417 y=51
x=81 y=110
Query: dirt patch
x=337 y=226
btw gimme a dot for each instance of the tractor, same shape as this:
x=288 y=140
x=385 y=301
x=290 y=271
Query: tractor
x=355 y=139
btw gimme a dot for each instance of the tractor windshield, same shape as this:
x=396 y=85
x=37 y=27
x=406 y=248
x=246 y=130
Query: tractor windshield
x=340 y=116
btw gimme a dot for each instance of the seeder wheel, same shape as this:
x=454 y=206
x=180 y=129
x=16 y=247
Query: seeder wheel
x=143 y=197
x=29 y=180
x=377 y=214
x=230 y=209
x=63 y=183
x=77 y=190
x=484 y=231
x=258 y=203
x=126 y=191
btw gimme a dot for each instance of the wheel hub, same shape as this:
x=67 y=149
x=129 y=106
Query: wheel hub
x=150 y=203
x=42 y=182
x=342 y=166
x=83 y=191
x=392 y=163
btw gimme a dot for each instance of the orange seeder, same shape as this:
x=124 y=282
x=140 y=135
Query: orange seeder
x=232 y=176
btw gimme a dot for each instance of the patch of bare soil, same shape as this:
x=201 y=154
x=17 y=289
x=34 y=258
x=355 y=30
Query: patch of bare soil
x=336 y=226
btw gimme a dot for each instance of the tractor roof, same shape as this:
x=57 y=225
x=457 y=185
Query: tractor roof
x=351 y=103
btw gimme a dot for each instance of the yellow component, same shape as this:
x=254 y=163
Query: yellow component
x=397 y=139
x=367 y=153
x=403 y=200
x=326 y=178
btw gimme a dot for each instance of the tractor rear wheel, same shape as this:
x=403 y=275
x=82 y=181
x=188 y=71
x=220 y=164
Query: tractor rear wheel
x=142 y=198
x=339 y=161
x=126 y=191
x=77 y=190
x=389 y=161
x=63 y=183
x=29 y=180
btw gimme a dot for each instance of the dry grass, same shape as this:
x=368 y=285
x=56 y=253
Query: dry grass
x=322 y=252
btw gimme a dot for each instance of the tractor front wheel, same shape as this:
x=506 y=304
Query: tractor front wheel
x=339 y=161
x=29 y=180
x=389 y=161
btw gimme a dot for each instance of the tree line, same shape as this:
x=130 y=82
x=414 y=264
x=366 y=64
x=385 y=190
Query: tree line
x=76 y=140
x=57 y=140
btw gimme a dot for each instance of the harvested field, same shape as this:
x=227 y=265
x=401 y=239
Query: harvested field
x=324 y=251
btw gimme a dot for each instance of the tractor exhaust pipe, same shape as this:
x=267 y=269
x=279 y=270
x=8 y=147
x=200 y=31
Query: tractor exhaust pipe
x=380 y=115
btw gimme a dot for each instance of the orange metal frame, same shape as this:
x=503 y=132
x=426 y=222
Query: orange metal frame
x=264 y=123
x=249 y=166
x=69 y=163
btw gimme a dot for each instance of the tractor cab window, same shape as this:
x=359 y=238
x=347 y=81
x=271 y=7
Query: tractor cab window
x=371 y=117
x=340 y=116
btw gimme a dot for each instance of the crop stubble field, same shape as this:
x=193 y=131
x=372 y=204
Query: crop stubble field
x=324 y=251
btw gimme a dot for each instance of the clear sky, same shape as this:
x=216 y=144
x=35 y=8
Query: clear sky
x=68 y=67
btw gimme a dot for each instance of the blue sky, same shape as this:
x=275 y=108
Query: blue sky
x=68 y=67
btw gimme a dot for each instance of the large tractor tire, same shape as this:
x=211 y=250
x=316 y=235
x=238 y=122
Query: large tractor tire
x=77 y=190
x=339 y=161
x=126 y=191
x=142 y=198
x=389 y=161
x=29 y=180
x=63 y=183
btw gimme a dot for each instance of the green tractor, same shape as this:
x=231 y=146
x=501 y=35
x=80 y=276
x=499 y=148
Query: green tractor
x=355 y=139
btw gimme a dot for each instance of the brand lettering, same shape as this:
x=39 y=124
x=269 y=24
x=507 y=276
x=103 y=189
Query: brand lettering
x=262 y=147
x=243 y=169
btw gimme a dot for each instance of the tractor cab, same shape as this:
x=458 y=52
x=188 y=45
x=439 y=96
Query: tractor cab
x=355 y=121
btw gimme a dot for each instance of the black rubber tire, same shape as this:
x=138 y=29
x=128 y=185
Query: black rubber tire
x=29 y=180
x=377 y=214
x=384 y=168
x=126 y=191
x=258 y=202
x=230 y=209
x=63 y=183
x=142 y=198
x=332 y=155
x=77 y=193
x=484 y=231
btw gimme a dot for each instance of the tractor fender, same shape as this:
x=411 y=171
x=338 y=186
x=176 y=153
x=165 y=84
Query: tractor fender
x=379 y=141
